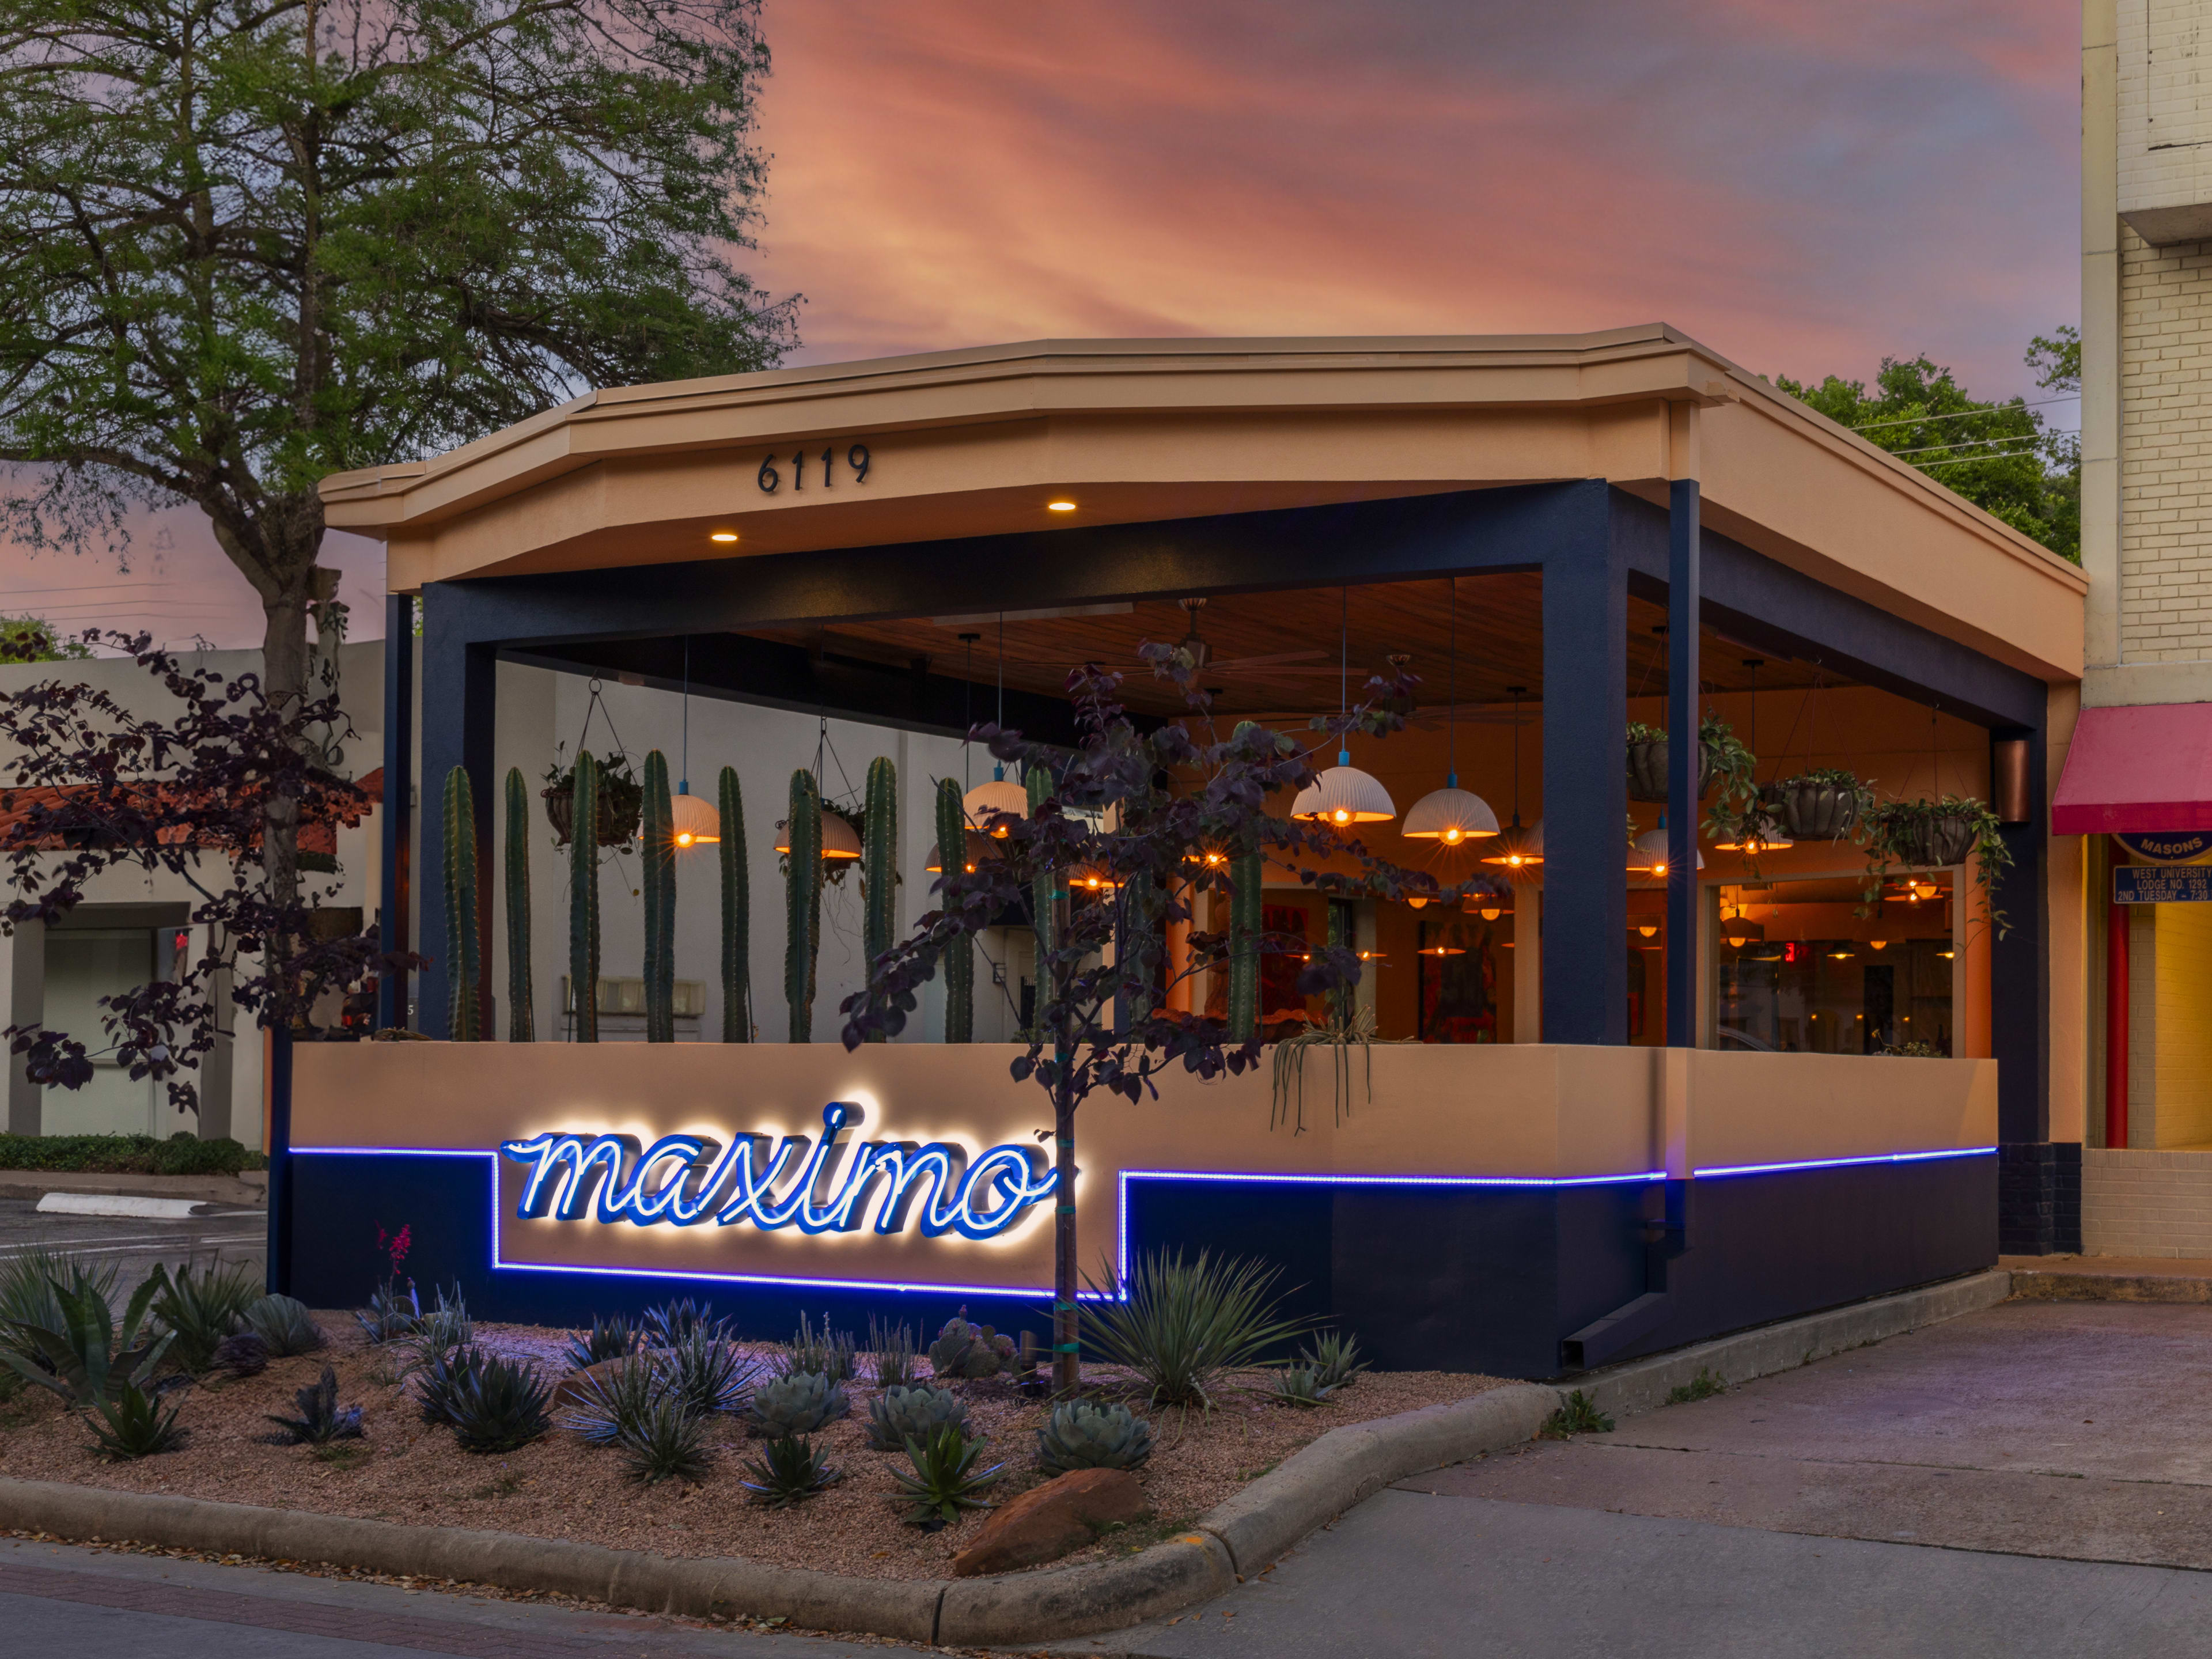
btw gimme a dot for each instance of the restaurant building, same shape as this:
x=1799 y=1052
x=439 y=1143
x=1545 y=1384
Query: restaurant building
x=1659 y=1084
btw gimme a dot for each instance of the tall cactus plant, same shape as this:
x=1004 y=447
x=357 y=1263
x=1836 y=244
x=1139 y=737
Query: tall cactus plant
x=584 y=902
x=737 y=915
x=522 y=1008
x=802 y=903
x=464 y=944
x=1244 y=877
x=1044 y=892
x=959 y=958
x=879 y=866
x=659 y=859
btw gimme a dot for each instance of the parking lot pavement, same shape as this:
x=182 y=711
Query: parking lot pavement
x=134 y=1243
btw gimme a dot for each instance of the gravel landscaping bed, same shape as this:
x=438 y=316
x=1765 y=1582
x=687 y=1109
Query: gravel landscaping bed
x=406 y=1470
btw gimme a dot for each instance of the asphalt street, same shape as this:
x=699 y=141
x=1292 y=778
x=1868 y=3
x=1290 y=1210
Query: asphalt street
x=133 y=1243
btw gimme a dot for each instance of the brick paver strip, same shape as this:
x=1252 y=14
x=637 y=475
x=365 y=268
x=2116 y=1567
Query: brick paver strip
x=170 y=1600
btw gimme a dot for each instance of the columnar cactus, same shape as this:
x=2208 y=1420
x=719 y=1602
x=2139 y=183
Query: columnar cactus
x=584 y=902
x=659 y=859
x=463 y=945
x=879 y=866
x=802 y=903
x=1244 y=873
x=521 y=1010
x=1045 y=890
x=737 y=915
x=960 y=960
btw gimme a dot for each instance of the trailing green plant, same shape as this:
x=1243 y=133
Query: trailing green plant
x=392 y=1313
x=321 y=1418
x=705 y=1373
x=736 y=914
x=84 y=1356
x=1334 y=1359
x=1081 y=1434
x=1928 y=833
x=463 y=947
x=1339 y=1033
x=1721 y=759
x=1184 y=1326
x=608 y=1339
x=830 y=1352
x=667 y=1443
x=183 y=1153
x=788 y=1471
x=284 y=1326
x=958 y=964
x=1821 y=803
x=900 y=1414
x=1703 y=1386
x=878 y=862
x=131 y=1424
x=522 y=1008
x=1910 y=1050
x=610 y=1403
x=892 y=1358
x=616 y=798
x=201 y=1307
x=1299 y=1385
x=802 y=902
x=667 y=1323
x=495 y=1404
x=659 y=863
x=943 y=1479
x=1577 y=1414
x=584 y=903
x=969 y=1351
x=800 y=1403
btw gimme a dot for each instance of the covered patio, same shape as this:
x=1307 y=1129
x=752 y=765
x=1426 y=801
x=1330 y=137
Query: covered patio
x=1847 y=1088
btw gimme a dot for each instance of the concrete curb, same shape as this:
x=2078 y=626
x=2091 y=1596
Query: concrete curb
x=1312 y=1488
x=1639 y=1385
x=2059 y=1284
x=249 y=1188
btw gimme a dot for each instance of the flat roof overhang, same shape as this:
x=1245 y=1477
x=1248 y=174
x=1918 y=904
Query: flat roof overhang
x=974 y=443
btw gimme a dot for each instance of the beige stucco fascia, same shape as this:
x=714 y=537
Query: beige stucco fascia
x=2101 y=340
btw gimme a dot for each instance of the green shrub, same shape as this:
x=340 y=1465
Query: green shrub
x=182 y=1154
x=788 y=1471
x=1080 y=1435
x=321 y=1418
x=132 y=1425
x=1184 y=1326
x=1703 y=1386
x=668 y=1443
x=1579 y=1415
x=944 y=1480
x=202 y=1308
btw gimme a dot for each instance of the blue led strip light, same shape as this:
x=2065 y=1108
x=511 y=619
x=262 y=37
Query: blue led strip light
x=1842 y=1162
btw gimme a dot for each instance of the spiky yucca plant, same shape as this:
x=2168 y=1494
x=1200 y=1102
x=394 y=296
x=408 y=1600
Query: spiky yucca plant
x=1333 y=1359
x=1184 y=1326
x=1299 y=1385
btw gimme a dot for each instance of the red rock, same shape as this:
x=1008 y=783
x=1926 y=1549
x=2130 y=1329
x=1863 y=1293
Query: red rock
x=570 y=1394
x=1047 y=1522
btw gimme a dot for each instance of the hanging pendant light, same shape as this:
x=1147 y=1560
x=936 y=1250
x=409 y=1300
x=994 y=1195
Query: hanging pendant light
x=1760 y=829
x=976 y=847
x=1344 y=794
x=838 y=841
x=1647 y=853
x=1518 y=847
x=1451 y=815
x=986 y=800
x=694 y=823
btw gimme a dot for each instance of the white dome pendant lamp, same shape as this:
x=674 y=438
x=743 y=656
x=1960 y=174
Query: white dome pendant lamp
x=692 y=822
x=986 y=800
x=1518 y=849
x=1451 y=815
x=1647 y=852
x=1344 y=795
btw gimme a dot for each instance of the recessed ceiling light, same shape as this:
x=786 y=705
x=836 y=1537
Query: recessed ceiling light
x=1061 y=505
x=722 y=536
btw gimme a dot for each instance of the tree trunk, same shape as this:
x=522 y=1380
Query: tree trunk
x=1066 y=1344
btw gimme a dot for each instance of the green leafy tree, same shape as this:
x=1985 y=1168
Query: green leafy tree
x=33 y=638
x=243 y=245
x=2003 y=457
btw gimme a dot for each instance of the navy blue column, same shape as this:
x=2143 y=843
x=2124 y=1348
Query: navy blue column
x=2040 y=1184
x=1586 y=783
x=460 y=698
x=277 y=1274
x=1684 y=753
x=398 y=799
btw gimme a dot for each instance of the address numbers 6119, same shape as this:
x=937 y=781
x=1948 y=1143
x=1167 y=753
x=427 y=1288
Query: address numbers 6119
x=824 y=466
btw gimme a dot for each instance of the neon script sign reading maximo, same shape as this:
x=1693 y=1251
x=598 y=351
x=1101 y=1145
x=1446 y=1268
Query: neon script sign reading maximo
x=826 y=1186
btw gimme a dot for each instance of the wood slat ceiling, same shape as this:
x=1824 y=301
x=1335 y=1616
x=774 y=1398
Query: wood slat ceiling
x=1278 y=653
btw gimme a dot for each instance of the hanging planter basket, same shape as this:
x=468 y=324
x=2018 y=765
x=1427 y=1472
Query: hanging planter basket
x=1647 y=770
x=1819 y=808
x=621 y=801
x=1932 y=842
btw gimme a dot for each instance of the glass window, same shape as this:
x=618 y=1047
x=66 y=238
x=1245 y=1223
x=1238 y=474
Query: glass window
x=1799 y=970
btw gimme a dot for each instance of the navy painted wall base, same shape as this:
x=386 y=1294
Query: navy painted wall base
x=2040 y=1198
x=1432 y=1277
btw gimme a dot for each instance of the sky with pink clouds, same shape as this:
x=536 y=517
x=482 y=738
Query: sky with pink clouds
x=1804 y=187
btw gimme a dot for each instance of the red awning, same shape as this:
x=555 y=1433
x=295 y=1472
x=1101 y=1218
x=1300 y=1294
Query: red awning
x=2137 y=771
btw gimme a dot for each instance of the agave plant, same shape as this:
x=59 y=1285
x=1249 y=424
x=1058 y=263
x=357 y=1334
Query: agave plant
x=898 y=1415
x=1184 y=1326
x=202 y=1308
x=891 y=1354
x=705 y=1373
x=799 y=1404
x=284 y=1325
x=788 y=1471
x=672 y=1320
x=667 y=1443
x=496 y=1404
x=131 y=1424
x=392 y=1313
x=944 y=1479
x=831 y=1353
x=1333 y=1359
x=608 y=1339
x=1080 y=1435
x=616 y=1402
x=28 y=1282
x=1300 y=1385
x=446 y=1329
x=87 y=1359
x=321 y=1418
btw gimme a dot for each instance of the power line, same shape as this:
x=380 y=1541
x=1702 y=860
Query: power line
x=1968 y=443
x=1968 y=460
x=1960 y=415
